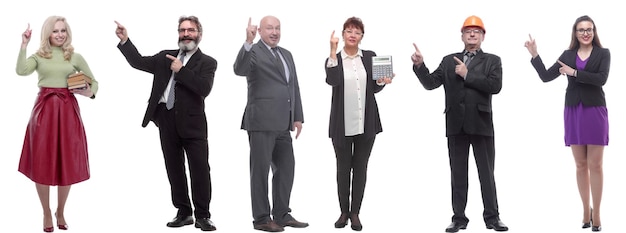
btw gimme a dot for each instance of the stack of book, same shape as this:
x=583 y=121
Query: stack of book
x=78 y=81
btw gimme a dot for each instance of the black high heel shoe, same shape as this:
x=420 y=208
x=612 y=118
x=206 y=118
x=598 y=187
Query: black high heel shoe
x=342 y=221
x=594 y=228
x=355 y=222
x=588 y=224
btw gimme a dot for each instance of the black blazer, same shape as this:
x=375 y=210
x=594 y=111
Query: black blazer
x=335 y=78
x=468 y=102
x=587 y=87
x=193 y=84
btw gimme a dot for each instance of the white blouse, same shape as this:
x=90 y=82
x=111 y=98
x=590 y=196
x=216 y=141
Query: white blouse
x=355 y=82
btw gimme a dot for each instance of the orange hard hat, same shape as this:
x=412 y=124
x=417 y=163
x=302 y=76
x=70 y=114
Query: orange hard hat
x=473 y=21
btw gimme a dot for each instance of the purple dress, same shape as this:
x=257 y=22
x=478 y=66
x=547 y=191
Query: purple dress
x=586 y=125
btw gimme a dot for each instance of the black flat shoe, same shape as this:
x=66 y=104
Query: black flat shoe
x=205 y=224
x=497 y=226
x=342 y=221
x=180 y=221
x=456 y=226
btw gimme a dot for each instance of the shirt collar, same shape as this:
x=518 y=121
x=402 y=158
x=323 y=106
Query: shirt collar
x=267 y=46
x=189 y=53
x=344 y=55
x=465 y=52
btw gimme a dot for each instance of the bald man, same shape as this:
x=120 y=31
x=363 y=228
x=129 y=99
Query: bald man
x=273 y=110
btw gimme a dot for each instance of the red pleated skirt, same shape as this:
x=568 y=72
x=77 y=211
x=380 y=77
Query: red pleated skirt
x=55 y=145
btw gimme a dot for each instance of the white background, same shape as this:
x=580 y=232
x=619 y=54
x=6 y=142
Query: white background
x=408 y=189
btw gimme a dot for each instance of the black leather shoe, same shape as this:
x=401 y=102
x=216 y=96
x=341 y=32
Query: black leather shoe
x=205 y=224
x=180 y=221
x=586 y=225
x=342 y=221
x=295 y=224
x=497 y=226
x=270 y=226
x=596 y=228
x=456 y=226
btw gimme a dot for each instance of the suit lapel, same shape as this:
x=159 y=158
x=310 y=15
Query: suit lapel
x=168 y=72
x=280 y=67
x=192 y=60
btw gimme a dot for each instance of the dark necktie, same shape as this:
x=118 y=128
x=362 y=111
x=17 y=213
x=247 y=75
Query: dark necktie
x=468 y=57
x=279 y=61
x=171 y=95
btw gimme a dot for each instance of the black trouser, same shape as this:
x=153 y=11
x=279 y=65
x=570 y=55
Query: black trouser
x=174 y=149
x=484 y=154
x=352 y=155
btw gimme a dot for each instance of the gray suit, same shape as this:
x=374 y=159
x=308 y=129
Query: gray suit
x=273 y=105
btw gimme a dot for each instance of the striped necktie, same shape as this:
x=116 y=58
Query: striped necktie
x=171 y=95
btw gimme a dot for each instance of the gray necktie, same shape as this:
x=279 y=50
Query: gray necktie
x=279 y=61
x=468 y=58
x=170 y=96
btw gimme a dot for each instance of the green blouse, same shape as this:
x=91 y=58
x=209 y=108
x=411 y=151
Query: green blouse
x=53 y=72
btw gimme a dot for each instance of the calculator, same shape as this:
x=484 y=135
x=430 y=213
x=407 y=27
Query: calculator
x=382 y=67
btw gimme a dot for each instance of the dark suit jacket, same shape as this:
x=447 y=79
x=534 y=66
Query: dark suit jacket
x=468 y=102
x=335 y=78
x=193 y=84
x=273 y=103
x=587 y=87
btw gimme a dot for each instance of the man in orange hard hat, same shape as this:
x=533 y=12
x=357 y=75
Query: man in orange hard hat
x=469 y=78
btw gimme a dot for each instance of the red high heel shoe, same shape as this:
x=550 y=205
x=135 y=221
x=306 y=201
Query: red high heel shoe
x=48 y=229
x=60 y=226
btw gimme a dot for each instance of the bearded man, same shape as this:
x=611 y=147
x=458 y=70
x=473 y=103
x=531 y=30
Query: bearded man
x=183 y=78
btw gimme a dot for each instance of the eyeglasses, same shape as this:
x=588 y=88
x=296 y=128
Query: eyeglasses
x=475 y=31
x=190 y=30
x=353 y=32
x=582 y=31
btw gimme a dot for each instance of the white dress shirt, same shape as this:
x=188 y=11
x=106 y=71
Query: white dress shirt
x=355 y=83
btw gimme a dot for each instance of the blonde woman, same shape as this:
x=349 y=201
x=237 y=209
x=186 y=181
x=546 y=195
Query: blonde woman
x=55 y=145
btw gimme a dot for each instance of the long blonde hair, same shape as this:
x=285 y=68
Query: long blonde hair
x=45 y=50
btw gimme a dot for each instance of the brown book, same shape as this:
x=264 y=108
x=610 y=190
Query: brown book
x=80 y=76
x=77 y=86
x=74 y=83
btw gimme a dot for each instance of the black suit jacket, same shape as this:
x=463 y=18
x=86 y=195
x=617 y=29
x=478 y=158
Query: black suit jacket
x=335 y=78
x=468 y=102
x=193 y=84
x=587 y=86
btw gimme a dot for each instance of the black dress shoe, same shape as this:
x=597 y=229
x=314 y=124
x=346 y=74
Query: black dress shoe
x=205 y=224
x=270 y=226
x=180 y=221
x=497 y=226
x=586 y=225
x=596 y=228
x=456 y=226
x=342 y=221
x=295 y=224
